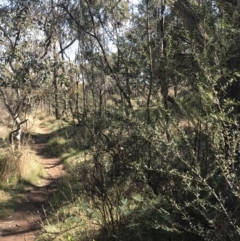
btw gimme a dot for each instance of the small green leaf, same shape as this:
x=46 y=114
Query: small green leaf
x=124 y=202
x=138 y=198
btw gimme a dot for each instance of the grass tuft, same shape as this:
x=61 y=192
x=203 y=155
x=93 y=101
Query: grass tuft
x=30 y=167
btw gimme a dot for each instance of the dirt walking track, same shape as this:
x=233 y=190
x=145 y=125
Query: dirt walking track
x=25 y=222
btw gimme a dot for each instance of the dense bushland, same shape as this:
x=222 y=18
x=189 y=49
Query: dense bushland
x=127 y=180
x=149 y=93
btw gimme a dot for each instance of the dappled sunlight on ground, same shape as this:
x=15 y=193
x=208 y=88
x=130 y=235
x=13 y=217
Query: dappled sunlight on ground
x=22 y=224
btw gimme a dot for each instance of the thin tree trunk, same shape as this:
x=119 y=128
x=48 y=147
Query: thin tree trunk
x=55 y=85
x=163 y=78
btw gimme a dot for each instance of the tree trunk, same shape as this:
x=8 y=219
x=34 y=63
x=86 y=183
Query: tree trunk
x=55 y=86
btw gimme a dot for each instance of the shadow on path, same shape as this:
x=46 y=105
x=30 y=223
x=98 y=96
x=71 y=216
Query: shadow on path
x=25 y=222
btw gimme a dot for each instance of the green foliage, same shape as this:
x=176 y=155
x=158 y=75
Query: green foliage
x=152 y=146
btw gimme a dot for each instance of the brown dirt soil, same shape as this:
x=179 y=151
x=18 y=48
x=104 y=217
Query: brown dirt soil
x=25 y=222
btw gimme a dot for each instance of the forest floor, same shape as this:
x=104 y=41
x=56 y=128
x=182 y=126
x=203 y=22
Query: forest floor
x=24 y=223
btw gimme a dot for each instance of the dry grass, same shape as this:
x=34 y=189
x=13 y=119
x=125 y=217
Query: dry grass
x=4 y=132
x=26 y=167
x=70 y=220
x=4 y=196
x=8 y=165
x=44 y=123
x=30 y=168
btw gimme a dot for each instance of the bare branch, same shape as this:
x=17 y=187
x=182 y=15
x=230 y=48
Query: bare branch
x=67 y=46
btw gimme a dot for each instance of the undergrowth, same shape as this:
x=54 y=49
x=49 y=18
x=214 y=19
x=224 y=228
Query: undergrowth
x=100 y=196
x=19 y=171
x=128 y=180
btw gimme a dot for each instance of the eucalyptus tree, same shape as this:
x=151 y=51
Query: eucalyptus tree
x=22 y=61
x=97 y=21
x=61 y=40
x=178 y=151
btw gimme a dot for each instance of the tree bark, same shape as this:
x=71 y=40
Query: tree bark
x=55 y=85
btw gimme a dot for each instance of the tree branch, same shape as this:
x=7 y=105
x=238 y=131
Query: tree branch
x=191 y=21
x=67 y=46
x=94 y=35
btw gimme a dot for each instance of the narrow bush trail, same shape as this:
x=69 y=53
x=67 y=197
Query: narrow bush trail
x=25 y=222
